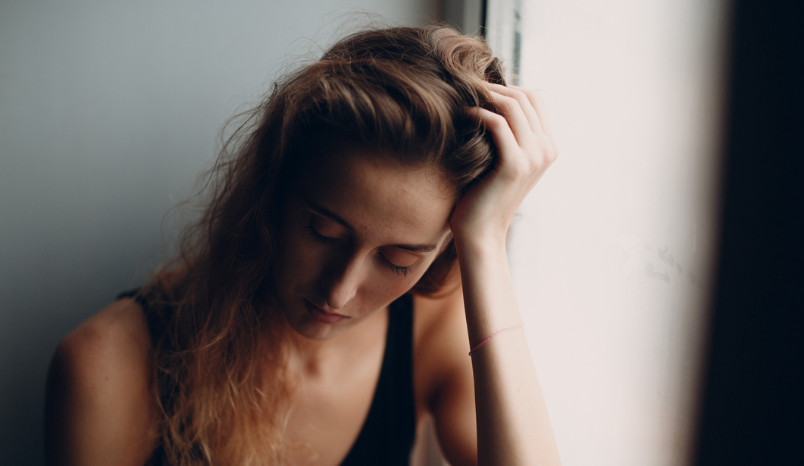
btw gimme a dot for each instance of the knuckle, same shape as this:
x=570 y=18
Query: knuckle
x=542 y=154
x=512 y=101
x=532 y=95
x=496 y=121
x=508 y=102
x=551 y=154
x=518 y=92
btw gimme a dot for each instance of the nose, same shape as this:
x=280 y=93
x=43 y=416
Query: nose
x=343 y=281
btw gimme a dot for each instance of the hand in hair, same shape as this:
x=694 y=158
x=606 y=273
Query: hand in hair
x=513 y=427
x=525 y=148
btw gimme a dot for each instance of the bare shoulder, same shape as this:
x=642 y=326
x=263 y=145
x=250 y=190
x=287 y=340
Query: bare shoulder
x=99 y=406
x=117 y=331
x=439 y=318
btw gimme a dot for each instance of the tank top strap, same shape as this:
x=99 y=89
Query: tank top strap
x=389 y=430
x=155 y=318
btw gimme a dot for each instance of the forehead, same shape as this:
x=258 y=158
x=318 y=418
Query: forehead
x=380 y=196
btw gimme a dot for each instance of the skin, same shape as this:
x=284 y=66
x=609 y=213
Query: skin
x=347 y=231
x=512 y=422
x=347 y=236
x=358 y=234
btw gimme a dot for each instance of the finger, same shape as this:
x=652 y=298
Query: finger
x=511 y=110
x=539 y=107
x=524 y=102
x=498 y=126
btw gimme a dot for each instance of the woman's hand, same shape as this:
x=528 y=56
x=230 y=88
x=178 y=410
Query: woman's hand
x=525 y=148
x=513 y=427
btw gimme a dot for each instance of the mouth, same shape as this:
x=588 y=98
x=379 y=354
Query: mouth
x=321 y=315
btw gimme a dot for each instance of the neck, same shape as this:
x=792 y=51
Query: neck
x=326 y=358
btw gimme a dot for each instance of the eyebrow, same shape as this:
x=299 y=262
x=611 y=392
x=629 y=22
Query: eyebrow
x=323 y=211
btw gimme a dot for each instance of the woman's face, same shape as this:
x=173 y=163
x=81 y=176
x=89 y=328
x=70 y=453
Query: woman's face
x=359 y=231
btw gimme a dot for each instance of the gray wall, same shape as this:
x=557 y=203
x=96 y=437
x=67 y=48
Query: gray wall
x=108 y=112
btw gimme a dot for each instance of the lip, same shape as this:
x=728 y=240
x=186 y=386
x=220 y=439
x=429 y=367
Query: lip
x=321 y=315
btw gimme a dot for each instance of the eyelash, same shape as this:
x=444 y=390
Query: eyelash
x=319 y=237
x=399 y=270
x=403 y=271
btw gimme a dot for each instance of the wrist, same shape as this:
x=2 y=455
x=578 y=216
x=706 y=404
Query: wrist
x=479 y=243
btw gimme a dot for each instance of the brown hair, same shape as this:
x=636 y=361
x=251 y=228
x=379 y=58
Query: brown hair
x=220 y=380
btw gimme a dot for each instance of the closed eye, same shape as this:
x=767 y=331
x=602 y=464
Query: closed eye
x=315 y=235
x=318 y=237
x=397 y=269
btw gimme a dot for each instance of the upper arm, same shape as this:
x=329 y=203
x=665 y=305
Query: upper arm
x=99 y=407
x=451 y=395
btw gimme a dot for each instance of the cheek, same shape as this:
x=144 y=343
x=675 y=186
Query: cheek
x=379 y=291
x=301 y=263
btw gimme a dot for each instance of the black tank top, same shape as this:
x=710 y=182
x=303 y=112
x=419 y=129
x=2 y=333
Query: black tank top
x=389 y=430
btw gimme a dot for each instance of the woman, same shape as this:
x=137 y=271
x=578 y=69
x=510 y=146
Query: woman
x=352 y=251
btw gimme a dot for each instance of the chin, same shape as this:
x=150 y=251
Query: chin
x=317 y=332
x=303 y=323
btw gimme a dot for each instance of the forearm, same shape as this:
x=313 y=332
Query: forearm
x=513 y=427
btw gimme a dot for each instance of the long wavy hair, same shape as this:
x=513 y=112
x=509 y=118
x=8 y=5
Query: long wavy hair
x=219 y=348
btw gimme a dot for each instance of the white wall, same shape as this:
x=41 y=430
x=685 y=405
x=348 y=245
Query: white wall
x=612 y=253
x=108 y=111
